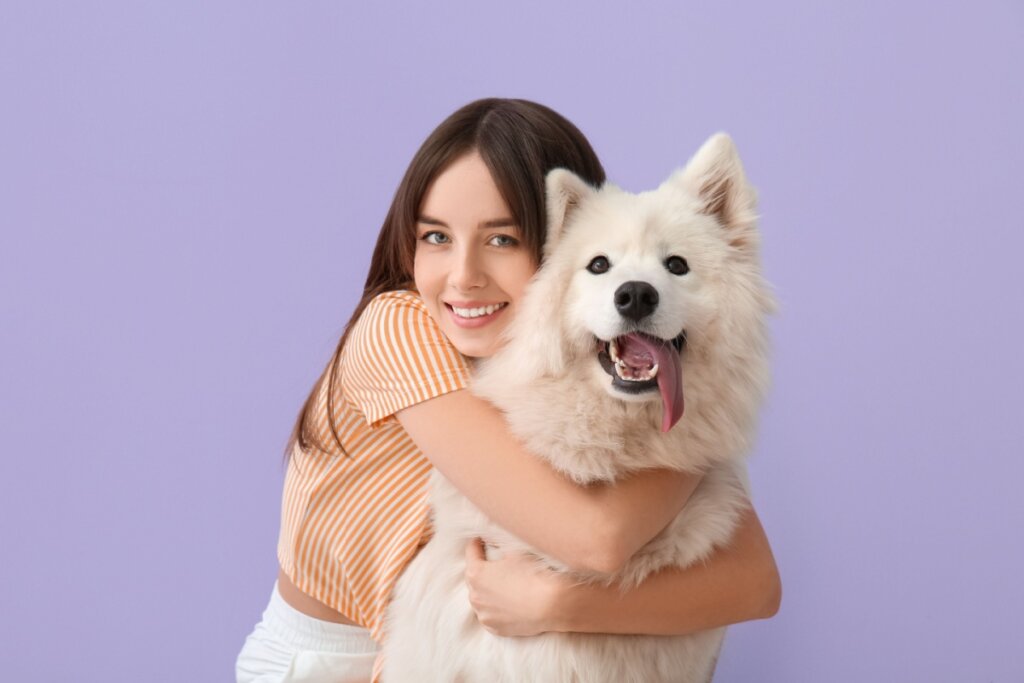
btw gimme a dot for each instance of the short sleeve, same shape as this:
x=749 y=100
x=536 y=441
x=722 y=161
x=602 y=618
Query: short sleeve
x=396 y=357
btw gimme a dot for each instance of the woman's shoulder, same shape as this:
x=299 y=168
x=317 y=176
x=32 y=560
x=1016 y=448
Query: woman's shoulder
x=397 y=356
x=396 y=307
x=396 y=318
x=398 y=298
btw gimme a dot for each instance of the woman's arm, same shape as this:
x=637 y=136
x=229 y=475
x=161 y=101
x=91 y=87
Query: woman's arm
x=589 y=528
x=740 y=582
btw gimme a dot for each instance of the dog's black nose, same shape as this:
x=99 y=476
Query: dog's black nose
x=636 y=300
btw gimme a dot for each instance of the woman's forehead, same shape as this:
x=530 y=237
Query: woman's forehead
x=465 y=191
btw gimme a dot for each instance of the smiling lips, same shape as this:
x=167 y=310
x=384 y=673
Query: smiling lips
x=468 y=315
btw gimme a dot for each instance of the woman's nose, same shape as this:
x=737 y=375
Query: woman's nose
x=467 y=271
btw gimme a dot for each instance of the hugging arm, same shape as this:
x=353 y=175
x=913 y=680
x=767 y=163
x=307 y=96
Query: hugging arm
x=590 y=528
x=739 y=582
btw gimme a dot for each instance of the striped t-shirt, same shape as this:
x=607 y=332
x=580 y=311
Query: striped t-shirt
x=350 y=522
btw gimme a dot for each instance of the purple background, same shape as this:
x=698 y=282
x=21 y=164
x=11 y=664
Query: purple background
x=189 y=193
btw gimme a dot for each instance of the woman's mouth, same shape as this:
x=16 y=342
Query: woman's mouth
x=470 y=316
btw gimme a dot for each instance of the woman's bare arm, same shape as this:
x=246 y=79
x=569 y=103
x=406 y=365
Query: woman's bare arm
x=594 y=528
x=740 y=582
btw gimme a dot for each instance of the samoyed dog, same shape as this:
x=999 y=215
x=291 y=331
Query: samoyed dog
x=644 y=302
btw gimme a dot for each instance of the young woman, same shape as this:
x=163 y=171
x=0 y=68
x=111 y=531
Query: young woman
x=459 y=244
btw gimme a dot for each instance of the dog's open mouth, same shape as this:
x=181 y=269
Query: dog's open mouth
x=638 y=363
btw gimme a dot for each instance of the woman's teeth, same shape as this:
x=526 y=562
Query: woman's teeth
x=477 y=312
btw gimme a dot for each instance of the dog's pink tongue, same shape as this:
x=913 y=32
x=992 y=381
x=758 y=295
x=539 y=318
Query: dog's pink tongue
x=670 y=380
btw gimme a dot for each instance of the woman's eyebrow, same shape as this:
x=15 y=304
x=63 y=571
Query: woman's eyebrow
x=499 y=223
x=493 y=223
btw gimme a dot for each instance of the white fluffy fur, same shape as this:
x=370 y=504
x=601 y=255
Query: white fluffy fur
x=560 y=403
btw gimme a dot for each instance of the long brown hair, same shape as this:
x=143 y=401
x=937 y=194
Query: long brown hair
x=520 y=141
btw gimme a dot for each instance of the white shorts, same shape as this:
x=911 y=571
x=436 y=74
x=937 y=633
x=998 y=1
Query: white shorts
x=289 y=646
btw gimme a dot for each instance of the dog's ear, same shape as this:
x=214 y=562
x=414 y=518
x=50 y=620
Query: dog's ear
x=715 y=175
x=565 y=192
x=536 y=346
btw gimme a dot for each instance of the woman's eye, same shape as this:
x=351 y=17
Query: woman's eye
x=435 y=237
x=598 y=265
x=677 y=265
x=504 y=241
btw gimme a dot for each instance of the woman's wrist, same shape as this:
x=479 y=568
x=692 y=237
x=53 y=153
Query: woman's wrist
x=564 y=611
x=739 y=582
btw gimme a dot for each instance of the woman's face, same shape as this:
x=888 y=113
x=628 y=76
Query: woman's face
x=471 y=268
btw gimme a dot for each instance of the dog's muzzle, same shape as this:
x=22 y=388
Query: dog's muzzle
x=638 y=363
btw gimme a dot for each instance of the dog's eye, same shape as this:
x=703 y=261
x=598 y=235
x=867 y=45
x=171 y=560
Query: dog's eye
x=598 y=265
x=677 y=265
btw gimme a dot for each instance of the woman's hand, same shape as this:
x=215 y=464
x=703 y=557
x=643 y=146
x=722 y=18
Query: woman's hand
x=512 y=596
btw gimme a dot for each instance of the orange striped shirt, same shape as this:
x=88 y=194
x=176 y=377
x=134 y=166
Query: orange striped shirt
x=350 y=523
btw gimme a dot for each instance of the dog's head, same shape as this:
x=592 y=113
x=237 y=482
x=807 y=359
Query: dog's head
x=637 y=284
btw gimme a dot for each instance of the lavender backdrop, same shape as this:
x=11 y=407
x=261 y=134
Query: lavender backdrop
x=188 y=197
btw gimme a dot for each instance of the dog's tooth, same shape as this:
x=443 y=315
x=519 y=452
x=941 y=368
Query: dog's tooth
x=626 y=373
x=614 y=350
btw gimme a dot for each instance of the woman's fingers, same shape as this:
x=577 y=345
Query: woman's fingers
x=475 y=555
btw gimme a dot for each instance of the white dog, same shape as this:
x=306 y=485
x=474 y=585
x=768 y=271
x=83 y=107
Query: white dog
x=642 y=300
